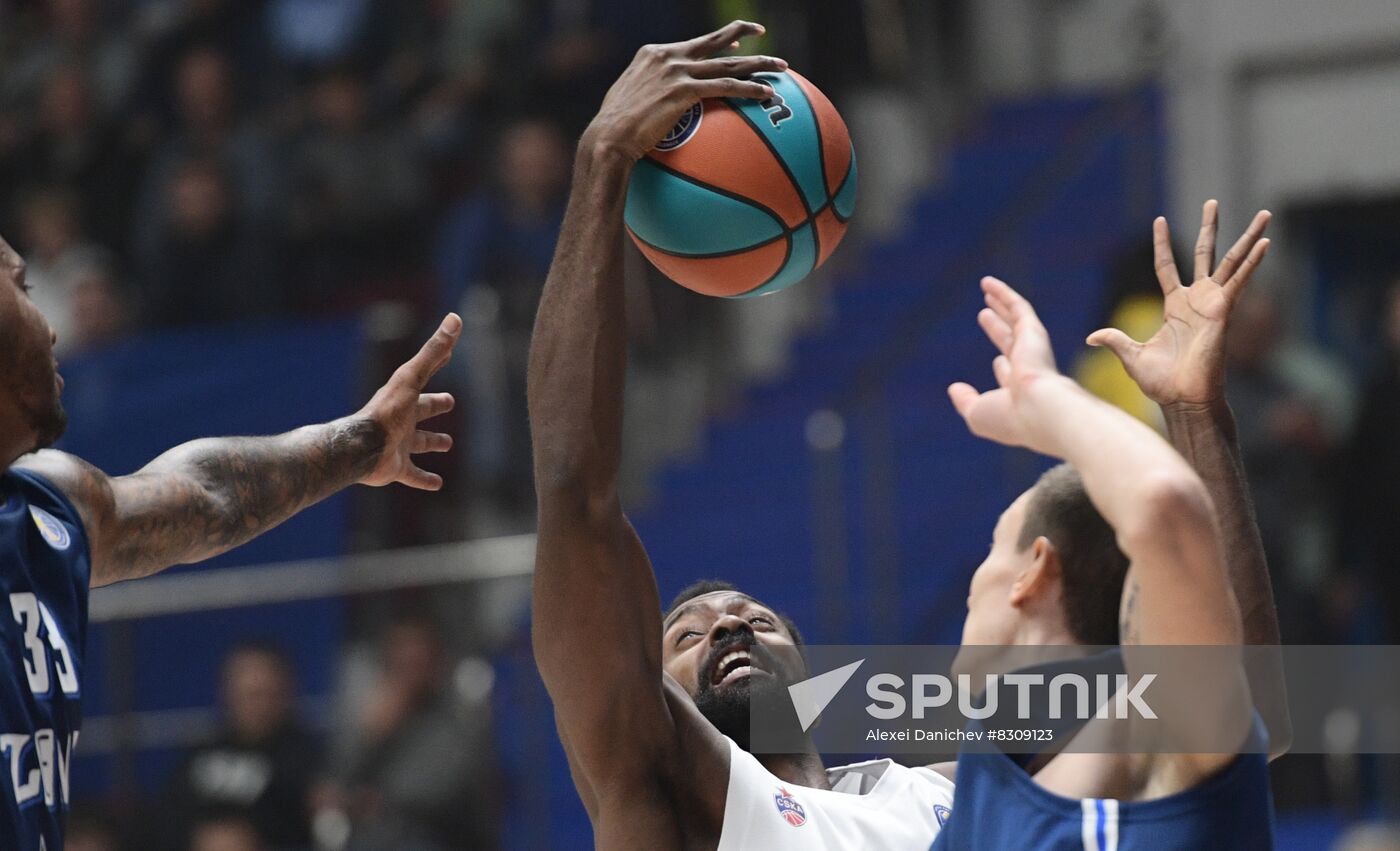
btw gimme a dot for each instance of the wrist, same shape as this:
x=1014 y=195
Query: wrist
x=1206 y=408
x=597 y=148
x=359 y=439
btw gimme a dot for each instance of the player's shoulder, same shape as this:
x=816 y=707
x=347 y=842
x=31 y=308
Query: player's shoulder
x=83 y=485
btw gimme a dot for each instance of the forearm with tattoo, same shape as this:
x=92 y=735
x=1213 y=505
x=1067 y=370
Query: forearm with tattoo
x=203 y=498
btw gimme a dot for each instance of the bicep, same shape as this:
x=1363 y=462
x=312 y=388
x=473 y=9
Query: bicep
x=158 y=519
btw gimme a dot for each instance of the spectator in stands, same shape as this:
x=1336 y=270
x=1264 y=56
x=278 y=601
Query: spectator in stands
x=70 y=146
x=258 y=767
x=97 y=307
x=206 y=265
x=87 y=831
x=209 y=125
x=57 y=258
x=236 y=29
x=411 y=774
x=226 y=833
x=359 y=192
x=72 y=33
x=1295 y=409
x=493 y=253
x=1373 y=473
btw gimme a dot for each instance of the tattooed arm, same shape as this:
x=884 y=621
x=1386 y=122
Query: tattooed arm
x=208 y=496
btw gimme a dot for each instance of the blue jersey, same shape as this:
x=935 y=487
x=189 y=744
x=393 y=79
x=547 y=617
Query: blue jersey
x=44 y=571
x=997 y=805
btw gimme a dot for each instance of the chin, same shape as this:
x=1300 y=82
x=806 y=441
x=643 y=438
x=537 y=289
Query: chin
x=49 y=427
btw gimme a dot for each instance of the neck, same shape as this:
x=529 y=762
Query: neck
x=800 y=769
x=1045 y=633
x=15 y=439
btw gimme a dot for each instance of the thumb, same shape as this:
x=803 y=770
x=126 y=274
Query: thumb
x=962 y=396
x=1123 y=346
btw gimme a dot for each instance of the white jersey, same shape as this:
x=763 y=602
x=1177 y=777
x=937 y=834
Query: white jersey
x=875 y=806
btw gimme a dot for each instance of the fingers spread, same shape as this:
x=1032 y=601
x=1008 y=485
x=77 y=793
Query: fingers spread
x=1243 y=246
x=1010 y=305
x=429 y=441
x=1205 y=242
x=725 y=36
x=1162 y=258
x=735 y=66
x=417 y=477
x=434 y=404
x=997 y=330
x=436 y=352
x=1240 y=279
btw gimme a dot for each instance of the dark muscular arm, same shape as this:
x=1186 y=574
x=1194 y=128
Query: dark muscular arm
x=596 y=612
x=1205 y=437
x=1182 y=368
x=208 y=496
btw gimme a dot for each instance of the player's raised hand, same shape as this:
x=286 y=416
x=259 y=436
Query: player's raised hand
x=664 y=80
x=400 y=405
x=1025 y=360
x=1184 y=362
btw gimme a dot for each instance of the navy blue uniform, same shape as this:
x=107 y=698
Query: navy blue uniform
x=44 y=570
x=997 y=805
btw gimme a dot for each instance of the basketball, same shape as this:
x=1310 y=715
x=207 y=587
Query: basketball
x=745 y=198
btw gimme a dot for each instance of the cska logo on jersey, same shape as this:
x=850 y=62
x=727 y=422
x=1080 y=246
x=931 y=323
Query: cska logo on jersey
x=789 y=809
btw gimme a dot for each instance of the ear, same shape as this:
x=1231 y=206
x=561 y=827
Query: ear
x=1039 y=576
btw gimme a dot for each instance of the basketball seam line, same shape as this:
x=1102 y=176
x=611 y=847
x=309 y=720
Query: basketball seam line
x=733 y=196
x=821 y=166
x=772 y=149
x=811 y=220
x=712 y=255
x=850 y=169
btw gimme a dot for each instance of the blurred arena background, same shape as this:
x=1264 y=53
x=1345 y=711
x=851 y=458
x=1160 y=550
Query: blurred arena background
x=238 y=214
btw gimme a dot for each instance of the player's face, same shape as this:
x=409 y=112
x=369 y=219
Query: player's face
x=29 y=380
x=706 y=647
x=992 y=613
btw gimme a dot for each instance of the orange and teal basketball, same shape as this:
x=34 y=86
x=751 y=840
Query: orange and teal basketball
x=745 y=198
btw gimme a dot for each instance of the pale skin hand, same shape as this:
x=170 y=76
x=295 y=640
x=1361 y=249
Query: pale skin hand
x=1184 y=362
x=1026 y=357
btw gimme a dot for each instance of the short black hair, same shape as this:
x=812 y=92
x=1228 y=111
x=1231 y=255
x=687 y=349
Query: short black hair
x=1093 y=568
x=709 y=586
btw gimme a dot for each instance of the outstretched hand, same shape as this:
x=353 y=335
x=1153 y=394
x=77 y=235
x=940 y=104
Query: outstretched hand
x=1026 y=359
x=1184 y=362
x=400 y=405
x=664 y=80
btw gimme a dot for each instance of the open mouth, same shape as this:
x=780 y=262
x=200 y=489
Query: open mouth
x=733 y=666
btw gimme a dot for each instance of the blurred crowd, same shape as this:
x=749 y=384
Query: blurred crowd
x=170 y=164
x=406 y=766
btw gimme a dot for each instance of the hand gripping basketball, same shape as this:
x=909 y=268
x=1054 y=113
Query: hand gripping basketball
x=664 y=80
